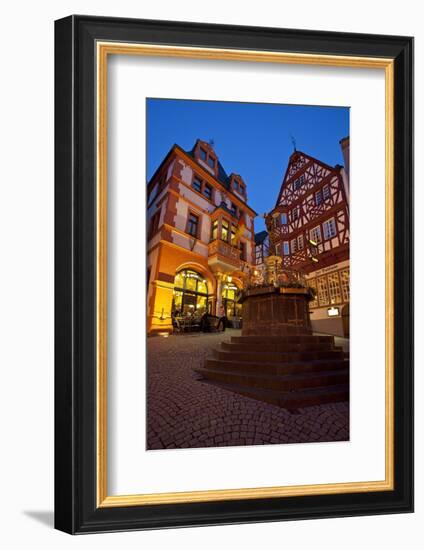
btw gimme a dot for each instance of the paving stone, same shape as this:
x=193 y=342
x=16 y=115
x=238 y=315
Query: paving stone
x=184 y=412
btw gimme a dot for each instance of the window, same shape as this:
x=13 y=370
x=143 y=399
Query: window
x=207 y=191
x=322 y=291
x=300 y=242
x=286 y=250
x=190 y=293
x=236 y=184
x=295 y=213
x=233 y=209
x=344 y=278
x=214 y=230
x=197 y=184
x=318 y=197
x=297 y=184
x=294 y=246
x=225 y=230
x=277 y=249
x=334 y=288
x=241 y=187
x=315 y=234
x=283 y=218
x=233 y=234
x=326 y=192
x=329 y=228
x=192 y=225
x=211 y=162
x=242 y=251
x=203 y=154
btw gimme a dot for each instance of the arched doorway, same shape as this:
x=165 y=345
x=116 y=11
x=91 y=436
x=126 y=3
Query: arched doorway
x=190 y=293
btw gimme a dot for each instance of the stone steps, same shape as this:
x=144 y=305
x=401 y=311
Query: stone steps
x=277 y=356
x=293 y=338
x=278 y=369
x=279 y=346
x=291 y=371
x=287 y=382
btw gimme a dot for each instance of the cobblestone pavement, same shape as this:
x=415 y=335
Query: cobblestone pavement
x=185 y=412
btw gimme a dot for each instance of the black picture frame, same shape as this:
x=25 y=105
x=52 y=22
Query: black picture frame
x=76 y=510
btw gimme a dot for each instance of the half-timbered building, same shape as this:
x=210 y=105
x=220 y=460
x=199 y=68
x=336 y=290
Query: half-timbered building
x=261 y=247
x=200 y=243
x=309 y=229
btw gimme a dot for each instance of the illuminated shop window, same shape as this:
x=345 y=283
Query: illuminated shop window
x=334 y=288
x=322 y=290
x=190 y=294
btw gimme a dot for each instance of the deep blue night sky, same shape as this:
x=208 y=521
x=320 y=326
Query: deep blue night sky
x=250 y=139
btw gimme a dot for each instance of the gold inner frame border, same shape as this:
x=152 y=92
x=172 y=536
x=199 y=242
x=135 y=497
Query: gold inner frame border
x=103 y=50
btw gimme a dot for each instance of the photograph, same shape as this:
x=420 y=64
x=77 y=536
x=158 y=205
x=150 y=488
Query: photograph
x=247 y=273
x=222 y=193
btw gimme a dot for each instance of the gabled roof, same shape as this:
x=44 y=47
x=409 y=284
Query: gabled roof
x=222 y=177
x=297 y=161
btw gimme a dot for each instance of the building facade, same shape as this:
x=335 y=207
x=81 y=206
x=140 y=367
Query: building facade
x=261 y=247
x=200 y=241
x=309 y=229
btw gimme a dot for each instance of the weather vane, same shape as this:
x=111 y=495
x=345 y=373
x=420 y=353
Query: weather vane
x=211 y=142
x=293 y=142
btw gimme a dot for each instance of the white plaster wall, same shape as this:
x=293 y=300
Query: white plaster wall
x=181 y=215
x=199 y=201
x=186 y=172
x=217 y=197
x=206 y=229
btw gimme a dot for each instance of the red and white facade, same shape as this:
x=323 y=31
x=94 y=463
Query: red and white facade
x=309 y=229
x=200 y=241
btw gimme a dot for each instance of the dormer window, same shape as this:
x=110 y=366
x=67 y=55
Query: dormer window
x=211 y=162
x=205 y=155
x=237 y=185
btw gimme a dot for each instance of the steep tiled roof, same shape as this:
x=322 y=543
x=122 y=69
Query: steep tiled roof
x=260 y=237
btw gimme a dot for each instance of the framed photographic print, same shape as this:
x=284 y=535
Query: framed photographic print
x=234 y=274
